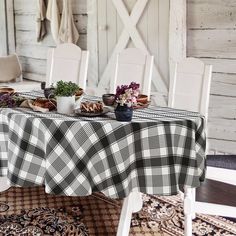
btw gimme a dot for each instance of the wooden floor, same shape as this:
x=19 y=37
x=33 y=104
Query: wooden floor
x=217 y=192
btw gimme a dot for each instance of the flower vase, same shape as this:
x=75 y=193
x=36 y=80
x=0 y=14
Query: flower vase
x=123 y=113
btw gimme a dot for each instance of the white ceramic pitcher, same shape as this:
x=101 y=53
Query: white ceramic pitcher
x=66 y=105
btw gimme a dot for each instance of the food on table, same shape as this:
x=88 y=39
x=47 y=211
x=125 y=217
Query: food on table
x=45 y=103
x=91 y=107
x=11 y=100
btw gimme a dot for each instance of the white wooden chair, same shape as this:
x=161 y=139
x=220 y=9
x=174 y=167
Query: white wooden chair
x=190 y=87
x=12 y=76
x=190 y=90
x=67 y=62
x=132 y=64
x=4 y=185
x=11 y=70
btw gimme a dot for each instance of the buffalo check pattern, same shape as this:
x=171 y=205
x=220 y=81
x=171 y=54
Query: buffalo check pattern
x=161 y=150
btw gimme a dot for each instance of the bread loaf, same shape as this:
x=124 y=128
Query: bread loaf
x=91 y=107
x=45 y=103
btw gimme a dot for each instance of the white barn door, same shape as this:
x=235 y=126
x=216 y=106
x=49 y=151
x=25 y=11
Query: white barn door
x=129 y=23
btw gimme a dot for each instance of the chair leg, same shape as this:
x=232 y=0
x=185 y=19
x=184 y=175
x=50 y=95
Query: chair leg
x=132 y=203
x=188 y=212
x=193 y=203
x=4 y=185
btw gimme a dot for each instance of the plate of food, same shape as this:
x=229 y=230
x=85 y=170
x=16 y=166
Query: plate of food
x=91 y=109
x=40 y=104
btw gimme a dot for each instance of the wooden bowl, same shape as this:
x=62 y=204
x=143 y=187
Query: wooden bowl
x=79 y=92
x=6 y=90
x=142 y=99
x=108 y=99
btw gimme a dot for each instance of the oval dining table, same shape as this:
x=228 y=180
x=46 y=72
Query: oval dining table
x=159 y=152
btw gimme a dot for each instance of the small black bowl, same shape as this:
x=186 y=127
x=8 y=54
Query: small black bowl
x=49 y=93
x=108 y=99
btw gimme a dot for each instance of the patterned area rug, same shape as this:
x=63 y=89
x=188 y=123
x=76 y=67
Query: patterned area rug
x=29 y=212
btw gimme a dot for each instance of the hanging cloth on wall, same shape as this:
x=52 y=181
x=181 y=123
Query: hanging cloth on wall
x=68 y=32
x=53 y=15
x=40 y=20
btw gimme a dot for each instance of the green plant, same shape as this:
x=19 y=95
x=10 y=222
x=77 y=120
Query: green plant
x=65 y=89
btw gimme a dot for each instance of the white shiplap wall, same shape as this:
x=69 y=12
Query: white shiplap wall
x=212 y=38
x=33 y=54
x=153 y=27
x=3 y=29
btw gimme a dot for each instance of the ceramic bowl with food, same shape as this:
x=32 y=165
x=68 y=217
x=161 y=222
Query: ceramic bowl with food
x=142 y=99
x=108 y=99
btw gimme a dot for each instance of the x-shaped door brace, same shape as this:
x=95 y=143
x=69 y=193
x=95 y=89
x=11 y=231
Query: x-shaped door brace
x=130 y=31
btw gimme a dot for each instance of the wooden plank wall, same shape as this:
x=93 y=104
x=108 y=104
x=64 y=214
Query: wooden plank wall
x=212 y=38
x=3 y=29
x=32 y=54
x=153 y=27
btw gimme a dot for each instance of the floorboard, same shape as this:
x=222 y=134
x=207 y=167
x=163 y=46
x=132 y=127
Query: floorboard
x=217 y=192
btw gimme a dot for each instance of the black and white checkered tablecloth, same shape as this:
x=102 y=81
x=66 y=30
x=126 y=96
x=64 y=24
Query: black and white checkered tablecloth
x=159 y=151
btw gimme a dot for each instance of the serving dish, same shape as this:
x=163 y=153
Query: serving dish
x=4 y=90
x=79 y=113
x=141 y=105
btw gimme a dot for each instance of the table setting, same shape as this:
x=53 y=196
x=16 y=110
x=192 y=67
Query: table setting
x=66 y=98
x=121 y=148
x=156 y=152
